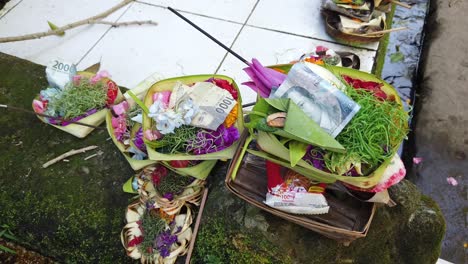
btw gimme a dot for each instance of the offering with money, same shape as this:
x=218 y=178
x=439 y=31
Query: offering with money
x=327 y=131
x=75 y=97
x=192 y=118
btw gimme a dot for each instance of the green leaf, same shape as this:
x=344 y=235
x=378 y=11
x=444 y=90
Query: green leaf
x=397 y=57
x=55 y=27
x=93 y=68
x=127 y=187
x=300 y=127
x=139 y=102
x=259 y=112
x=297 y=150
x=10 y=236
x=281 y=104
x=3 y=248
x=2 y=232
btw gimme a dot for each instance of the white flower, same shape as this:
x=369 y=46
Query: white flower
x=138 y=118
x=155 y=109
x=187 y=109
x=137 y=154
x=165 y=126
x=175 y=118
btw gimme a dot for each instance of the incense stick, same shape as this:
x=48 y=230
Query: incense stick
x=48 y=116
x=209 y=36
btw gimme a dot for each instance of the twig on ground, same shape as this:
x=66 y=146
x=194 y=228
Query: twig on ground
x=99 y=153
x=67 y=154
x=60 y=30
x=125 y=24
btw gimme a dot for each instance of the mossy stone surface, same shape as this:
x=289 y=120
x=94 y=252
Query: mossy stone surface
x=72 y=212
x=410 y=232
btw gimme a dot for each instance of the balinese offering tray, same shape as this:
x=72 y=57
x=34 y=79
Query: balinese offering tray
x=347 y=219
x=193 y=118
x=86 y=98
x=354 y=21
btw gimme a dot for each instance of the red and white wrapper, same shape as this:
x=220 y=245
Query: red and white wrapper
x=295 y=194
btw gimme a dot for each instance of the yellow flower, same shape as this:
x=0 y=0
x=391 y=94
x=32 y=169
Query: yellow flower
x=232 y=117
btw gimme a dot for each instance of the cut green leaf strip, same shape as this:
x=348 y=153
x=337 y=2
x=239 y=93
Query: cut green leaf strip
x=139 y=102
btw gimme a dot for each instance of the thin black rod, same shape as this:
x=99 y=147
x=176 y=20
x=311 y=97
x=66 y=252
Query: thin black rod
x=209 y=36
x=247 y=105
x=44 y=115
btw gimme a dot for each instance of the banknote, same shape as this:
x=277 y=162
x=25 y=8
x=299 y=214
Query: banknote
x=59 y=73
x=214 y=104
x=318 y=98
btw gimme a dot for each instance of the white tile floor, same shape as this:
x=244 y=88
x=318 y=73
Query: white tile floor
x=273 y=31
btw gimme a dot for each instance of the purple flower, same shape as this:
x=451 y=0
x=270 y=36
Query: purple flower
x=263 y=79
x=138 y=140
x=315 y=157
x=163 y=243
x=169 y=196
x=58 y=120
x=208 y=141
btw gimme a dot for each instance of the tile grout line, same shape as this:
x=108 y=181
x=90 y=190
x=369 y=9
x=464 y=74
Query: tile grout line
x=308 y=37
x=236 y=37
x=9 y=10
x=258 y=27
x=103 y=35
x=191 y=13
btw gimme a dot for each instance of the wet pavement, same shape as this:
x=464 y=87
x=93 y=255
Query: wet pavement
x=440 y=124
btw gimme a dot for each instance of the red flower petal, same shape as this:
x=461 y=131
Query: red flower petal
x=112 y=91
x=226 y=86
x=135 y=241
x=179 y=163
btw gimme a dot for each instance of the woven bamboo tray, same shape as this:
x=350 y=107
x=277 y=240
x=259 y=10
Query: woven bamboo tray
x=347 y=220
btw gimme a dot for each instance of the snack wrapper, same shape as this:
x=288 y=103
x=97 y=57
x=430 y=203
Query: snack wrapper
x=295 y=193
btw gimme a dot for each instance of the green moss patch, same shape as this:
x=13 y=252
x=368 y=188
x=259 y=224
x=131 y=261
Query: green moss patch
x=71 y=211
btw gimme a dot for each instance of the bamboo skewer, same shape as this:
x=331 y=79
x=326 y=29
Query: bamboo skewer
x=197 y=225
x=400 y=4
x=385 y=31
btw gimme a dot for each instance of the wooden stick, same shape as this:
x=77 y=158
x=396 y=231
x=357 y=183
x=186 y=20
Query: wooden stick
x=195 y=228
x=400 y=4
x=61 y=30
x=385 y=31
x=125 y=24
x=66 y=155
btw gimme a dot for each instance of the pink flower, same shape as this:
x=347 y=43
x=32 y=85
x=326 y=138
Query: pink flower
x=452 y=181
x=152 y=135
x=38 y=106
x=120 y=126
x=321 y=49
x=121 y=108
x=101 y=74
x=163 y=97
x=417 y=160
x=76 y=79
x=95 y=79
